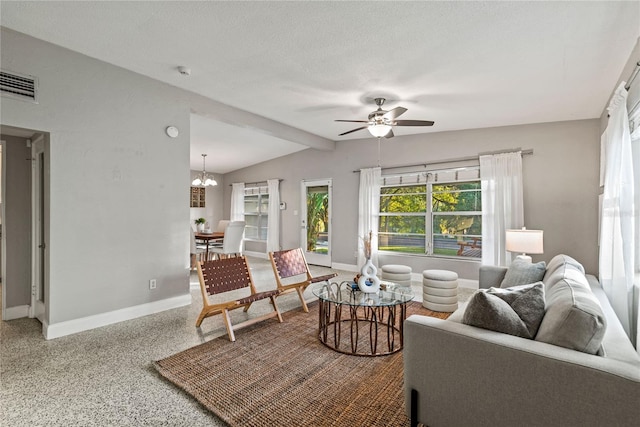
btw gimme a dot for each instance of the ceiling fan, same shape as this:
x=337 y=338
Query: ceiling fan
x=380 y=121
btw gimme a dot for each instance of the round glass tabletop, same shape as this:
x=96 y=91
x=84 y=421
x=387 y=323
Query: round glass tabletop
x=348 y=293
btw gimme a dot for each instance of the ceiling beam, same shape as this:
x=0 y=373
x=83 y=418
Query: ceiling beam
x=215 y=110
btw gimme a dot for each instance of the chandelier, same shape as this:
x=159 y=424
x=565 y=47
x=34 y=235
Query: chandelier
x=204 y=179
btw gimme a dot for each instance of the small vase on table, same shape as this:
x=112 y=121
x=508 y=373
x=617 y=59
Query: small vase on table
x=368 y=281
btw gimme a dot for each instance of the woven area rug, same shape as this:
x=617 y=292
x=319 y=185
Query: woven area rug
x=279 y=374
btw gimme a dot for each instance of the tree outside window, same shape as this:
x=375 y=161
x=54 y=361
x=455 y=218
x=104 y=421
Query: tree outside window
x=435 y=218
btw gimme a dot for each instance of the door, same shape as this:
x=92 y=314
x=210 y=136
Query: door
x=38 y=231
x=316 y=221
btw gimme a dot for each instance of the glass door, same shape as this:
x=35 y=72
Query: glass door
x=316 y=221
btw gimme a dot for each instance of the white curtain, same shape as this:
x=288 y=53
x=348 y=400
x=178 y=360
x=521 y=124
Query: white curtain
x=635 y=147
x=237 y=202
x=502 y=206
x=617 y=223
x=368 y=212
x=273 y=219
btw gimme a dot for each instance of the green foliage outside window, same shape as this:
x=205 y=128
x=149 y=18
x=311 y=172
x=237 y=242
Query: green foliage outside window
x=317 y=217
x=454 y=214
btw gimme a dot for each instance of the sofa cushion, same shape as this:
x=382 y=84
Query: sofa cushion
x=574 y=318
x=562 y=260
x=563 y=267
x=523 y=272
x=516 y=311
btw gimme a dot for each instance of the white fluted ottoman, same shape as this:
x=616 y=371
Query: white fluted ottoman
x=398 y=274
x=440 y=290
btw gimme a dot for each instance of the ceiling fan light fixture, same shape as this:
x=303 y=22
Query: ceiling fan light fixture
x=379 y=130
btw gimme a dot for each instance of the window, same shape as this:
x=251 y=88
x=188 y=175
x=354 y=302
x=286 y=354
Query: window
x=256 y=209
x=434 y=217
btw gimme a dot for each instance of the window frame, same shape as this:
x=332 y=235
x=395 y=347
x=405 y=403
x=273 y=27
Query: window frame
x=432 y=214
x=260 y=193
x=429 y=214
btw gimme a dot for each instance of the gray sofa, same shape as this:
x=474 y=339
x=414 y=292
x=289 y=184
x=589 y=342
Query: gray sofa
x=461 y=375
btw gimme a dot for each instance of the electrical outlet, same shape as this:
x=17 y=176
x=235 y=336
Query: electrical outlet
x=152 y=284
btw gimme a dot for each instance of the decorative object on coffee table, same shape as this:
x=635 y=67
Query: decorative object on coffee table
x=368 y=281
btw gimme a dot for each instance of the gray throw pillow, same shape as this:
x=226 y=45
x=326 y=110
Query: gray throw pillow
x=515 y=311
x=522 y=272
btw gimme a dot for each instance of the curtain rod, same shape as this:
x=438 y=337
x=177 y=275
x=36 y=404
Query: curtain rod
x=258 y=182
x=459 y=159
x=634 y=74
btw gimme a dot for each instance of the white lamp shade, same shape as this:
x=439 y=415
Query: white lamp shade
x=210 y=181
x=379 y=130
x=524 y=241
x=196 y=181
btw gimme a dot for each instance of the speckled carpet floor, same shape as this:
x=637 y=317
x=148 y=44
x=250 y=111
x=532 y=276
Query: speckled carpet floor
x=279 y=374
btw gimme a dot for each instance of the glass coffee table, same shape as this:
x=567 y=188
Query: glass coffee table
x=362 y=324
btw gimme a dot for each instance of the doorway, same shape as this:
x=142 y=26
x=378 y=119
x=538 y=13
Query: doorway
x=316 y=221
x=24 y=211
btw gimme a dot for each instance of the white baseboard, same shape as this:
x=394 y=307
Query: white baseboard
x=17 y=312
x=69 y=327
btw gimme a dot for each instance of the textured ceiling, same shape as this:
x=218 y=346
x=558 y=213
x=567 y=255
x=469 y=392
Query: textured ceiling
x=304 y=64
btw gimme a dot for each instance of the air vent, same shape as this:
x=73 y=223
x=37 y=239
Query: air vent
x=18 y=86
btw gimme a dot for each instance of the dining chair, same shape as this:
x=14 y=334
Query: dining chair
x=292 y=273
x=231 y=274
x=220 y=228
x=232 y=243
x=197 y=251
x=222 y=225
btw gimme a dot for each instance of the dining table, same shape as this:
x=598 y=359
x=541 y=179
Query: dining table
x=207 y=237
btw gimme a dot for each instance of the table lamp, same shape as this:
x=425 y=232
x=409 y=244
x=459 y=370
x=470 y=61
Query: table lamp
x=524 y=241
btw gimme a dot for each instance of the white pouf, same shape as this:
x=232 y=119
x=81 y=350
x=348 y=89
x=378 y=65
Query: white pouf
x=398 y=274
x=440 y=290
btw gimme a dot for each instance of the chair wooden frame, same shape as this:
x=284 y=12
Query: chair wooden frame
x=228 y=274
x=291 y=262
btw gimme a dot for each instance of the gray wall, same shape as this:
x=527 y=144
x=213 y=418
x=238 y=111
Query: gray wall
x=16 y=279
x=118 y=184
x=560 y=184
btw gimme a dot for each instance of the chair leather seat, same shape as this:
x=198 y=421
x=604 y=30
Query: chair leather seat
x=258 y=296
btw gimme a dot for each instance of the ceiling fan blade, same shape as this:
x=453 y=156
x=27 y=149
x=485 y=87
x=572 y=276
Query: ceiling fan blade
x=354 y=130
x=413 y=123
x=392 y=114
x=353 y=121
x=389 y=134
